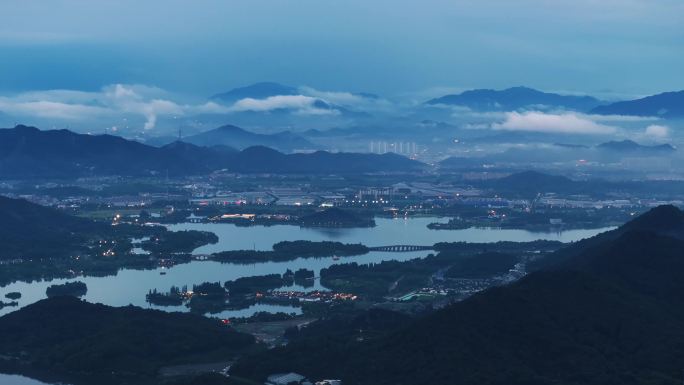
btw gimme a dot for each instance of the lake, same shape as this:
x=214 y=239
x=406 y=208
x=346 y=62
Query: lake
x=130 y=286
x=389 y=231
x=11 y=379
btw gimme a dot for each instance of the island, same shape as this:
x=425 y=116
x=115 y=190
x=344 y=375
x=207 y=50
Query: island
x=174 y=297
x=169 y=242
x=453 y=224
x=290 y=250
x=8 y=304
x=304 y=277
x=73 y=289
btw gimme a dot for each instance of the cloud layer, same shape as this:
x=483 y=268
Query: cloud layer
x=141 y=107
x=564 y=123
x=301 y=104
x=112 y=103
x=657 y=132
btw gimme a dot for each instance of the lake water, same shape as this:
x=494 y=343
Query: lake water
x=10 y=379
x=130 y=286
x=388 y=231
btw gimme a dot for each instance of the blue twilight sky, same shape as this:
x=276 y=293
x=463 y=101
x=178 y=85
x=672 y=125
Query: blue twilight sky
x=391 y=47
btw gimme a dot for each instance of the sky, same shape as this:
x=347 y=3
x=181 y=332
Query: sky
x=150 y=67
x=396 y=48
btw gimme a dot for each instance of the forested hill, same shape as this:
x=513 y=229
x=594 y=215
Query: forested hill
x=27 y=152
x=611 y=315
x=31 y=230
x=99 y=344
x=663 y=220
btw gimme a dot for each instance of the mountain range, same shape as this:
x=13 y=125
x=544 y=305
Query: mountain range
x=27 y=152
x=526 y=157
x=515 y=98
x=260 y=90
x=669 y=105
x=665 y=105
x=30 y=152
x=608 y=312
x=236 y=137
x=260 y=159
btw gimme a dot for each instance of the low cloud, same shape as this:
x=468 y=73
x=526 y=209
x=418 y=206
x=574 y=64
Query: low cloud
x=300 y=104
x=51 y=110
x=110 y=104
x=343 y=98
x=563 y=123
x=135 y=106
x=657 y=132
x=622 y=118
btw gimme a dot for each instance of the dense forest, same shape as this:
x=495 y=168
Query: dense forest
x=289 y=250
x=79 y=340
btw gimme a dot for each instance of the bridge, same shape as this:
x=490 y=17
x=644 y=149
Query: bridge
x=400 y=248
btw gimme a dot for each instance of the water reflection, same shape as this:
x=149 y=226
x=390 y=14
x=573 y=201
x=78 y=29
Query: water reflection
x=387 y=232
x=130 y=286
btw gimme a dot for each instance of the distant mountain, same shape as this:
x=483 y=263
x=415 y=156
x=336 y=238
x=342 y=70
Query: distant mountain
x=666 y=105
x=629 y=146
x=239 y=138
x=26 y=152
x=265 y=160
x=532 y=181
x=514 y=99
x=611 y=315
x=261 y=90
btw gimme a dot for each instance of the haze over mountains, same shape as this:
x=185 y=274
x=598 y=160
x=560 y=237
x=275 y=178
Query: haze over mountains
x=261 y=90
x=272 y=98
x=667 y=105
x=239 y=138
x=496 y=124
x=518 y=124
x=270 y=107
